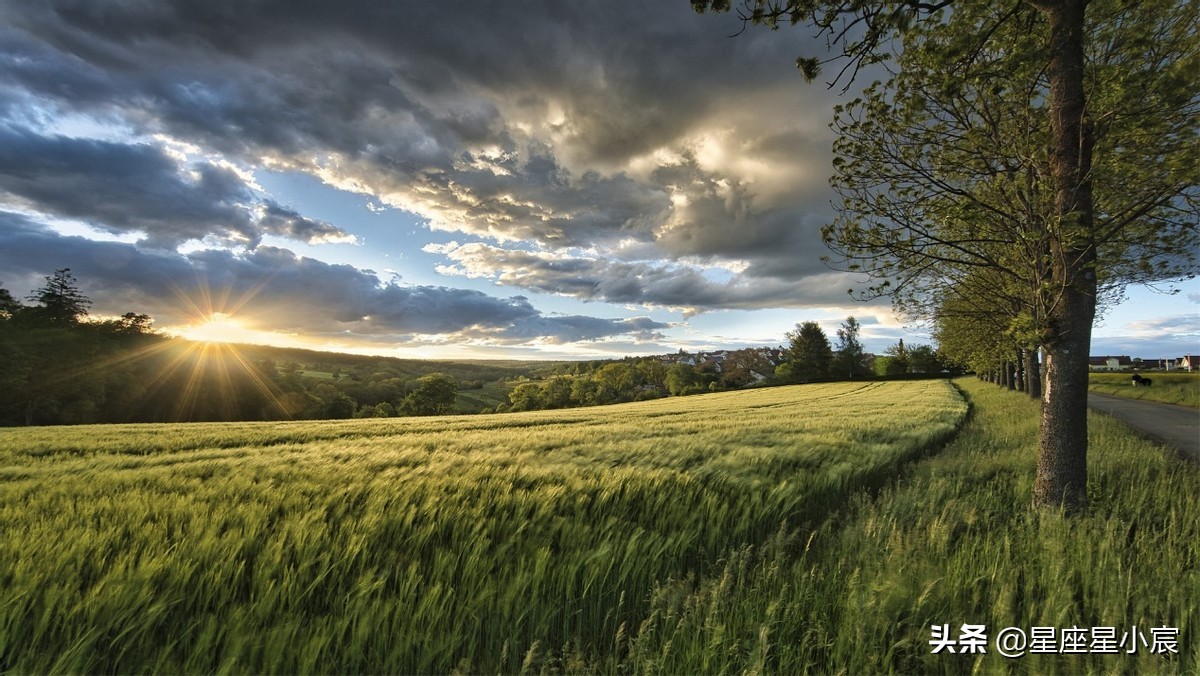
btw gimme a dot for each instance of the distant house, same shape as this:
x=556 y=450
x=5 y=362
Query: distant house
x=1107 y=363
x=1189 y=363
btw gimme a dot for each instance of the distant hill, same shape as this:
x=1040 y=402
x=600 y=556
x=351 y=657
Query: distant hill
x=316 y=362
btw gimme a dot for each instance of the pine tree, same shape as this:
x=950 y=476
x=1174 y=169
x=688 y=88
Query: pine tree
x=61 y=303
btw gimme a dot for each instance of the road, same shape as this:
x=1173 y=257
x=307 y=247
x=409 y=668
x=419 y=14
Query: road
x=1175 y=426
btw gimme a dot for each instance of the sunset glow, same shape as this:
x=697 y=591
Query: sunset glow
x=220 y=328
x=530 y=190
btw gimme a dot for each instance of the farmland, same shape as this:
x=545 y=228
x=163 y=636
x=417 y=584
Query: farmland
x=721 y=533
x=482 y=543
x=1168 y=388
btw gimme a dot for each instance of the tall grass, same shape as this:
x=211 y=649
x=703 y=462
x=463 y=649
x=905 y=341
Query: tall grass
x=1168 y=388
x=551 y=540
x=952 y=542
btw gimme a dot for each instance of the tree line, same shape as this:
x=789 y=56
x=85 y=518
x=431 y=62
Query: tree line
x=1021 y=164
x=58 y=365
x=812 y=358
x=809 y=357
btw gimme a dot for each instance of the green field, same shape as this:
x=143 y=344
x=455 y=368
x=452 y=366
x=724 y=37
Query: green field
x=721 y=533
x=1168 y=388
x=489 y=396
x=402 y=545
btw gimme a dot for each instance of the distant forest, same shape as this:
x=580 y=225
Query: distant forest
x=59 y=366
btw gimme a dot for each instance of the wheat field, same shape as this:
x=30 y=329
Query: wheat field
x=494 y=543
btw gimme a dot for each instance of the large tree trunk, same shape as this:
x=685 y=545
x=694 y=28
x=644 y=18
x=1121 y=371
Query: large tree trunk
x=1062 y=454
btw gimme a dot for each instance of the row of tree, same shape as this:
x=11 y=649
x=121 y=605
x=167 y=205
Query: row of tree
x=812 y=358
x=1025 y=161
x=638 y=379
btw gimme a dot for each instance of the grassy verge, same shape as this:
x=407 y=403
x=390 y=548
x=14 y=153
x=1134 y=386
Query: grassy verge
x=953 y=542
x=1168 y=388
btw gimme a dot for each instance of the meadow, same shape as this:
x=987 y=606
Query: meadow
x=1168 y=388
x=475 y=543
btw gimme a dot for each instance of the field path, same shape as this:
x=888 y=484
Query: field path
x=1175 y=426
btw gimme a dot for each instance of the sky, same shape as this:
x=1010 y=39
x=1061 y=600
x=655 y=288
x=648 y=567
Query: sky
x=440 y=180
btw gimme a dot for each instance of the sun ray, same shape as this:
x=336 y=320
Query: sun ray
x=214 y=309
x=200 y=375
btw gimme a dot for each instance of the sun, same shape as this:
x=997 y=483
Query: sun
x=218 y=328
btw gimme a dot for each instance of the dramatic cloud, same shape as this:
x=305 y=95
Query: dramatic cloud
x=575 y=126
x=622 y=153
x=137 y=188
x=676 y=286
x=273 y=289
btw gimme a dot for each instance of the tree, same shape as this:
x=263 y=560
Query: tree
x=745 y=367
x=679 y=378
x=434 y=394
x=557 y=392
x=924 y=359
x=1073 y=239
x=849 y=355
x=527 y=397
x=332 y=403
x=587 y=392
x=811 y=355
x=8 y=304
x=897 y=359
x=61 y=303
x=128 y=324
x=653 y=373
x=617 y=381
x=948 y=193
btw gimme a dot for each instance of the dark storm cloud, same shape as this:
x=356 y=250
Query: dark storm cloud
x=273 y=289
x=596 y=58
x=136 y=188
x=594 y=126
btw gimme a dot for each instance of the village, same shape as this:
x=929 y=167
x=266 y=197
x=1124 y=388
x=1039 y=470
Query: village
x=1187 y=363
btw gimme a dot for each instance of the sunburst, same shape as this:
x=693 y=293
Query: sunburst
x=219 y=328
x=203 y=374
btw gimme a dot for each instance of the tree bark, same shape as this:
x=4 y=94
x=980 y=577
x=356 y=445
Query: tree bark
x=1062 y=450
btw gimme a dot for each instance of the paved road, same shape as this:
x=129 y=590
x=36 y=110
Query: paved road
x=1176 y=426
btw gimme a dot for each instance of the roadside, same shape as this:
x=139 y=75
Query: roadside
x=1175 y=426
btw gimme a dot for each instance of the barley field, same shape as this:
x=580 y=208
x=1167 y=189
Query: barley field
x=554 y=540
